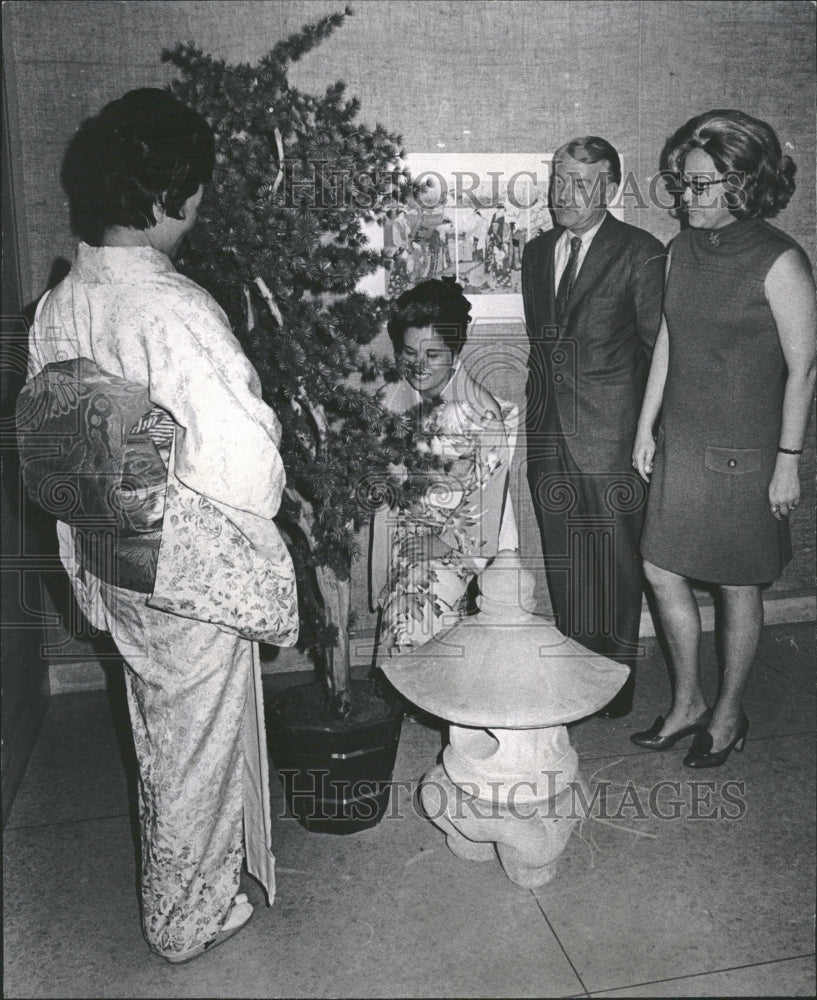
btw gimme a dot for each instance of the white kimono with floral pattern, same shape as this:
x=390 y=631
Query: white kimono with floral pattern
x=194 y=689
x=468 y=509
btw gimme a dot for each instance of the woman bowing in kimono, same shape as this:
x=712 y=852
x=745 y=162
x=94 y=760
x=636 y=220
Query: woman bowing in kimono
x=426 y=552
x=164 y=474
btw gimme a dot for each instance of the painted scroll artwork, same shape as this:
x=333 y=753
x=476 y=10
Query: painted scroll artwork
x=469 y=216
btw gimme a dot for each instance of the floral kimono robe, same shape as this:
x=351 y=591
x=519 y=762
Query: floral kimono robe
x=469 y=510
x=155 y=344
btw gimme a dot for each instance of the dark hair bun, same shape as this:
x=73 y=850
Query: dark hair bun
x=143 y=148
x=437 y=302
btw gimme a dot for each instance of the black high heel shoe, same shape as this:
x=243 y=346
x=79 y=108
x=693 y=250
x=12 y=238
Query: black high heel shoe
x=701 y=755
x=650 y=740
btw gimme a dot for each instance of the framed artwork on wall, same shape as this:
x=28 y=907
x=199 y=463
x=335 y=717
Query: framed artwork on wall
x=470 y=217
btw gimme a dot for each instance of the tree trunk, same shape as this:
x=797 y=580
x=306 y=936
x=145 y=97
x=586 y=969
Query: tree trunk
x=337 y=597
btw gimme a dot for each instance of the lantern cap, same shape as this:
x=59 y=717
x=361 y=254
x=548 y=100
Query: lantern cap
x=505 y=667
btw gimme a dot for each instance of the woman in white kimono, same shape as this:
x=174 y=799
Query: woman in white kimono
x=426 y=552
x=145 y=360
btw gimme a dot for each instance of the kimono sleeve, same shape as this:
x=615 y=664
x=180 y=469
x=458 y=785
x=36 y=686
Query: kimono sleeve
x=227 y=437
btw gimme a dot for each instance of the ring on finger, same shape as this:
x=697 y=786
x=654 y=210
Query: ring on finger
x=775 y=508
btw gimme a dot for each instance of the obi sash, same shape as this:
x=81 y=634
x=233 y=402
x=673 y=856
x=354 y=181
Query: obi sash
x=90 y=456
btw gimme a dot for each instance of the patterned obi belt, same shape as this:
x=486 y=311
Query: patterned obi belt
x=94 y=454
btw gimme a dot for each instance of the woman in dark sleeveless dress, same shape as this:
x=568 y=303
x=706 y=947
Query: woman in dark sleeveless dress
x=733 y=378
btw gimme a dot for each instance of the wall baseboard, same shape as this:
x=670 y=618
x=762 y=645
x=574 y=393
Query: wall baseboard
x=779 y=609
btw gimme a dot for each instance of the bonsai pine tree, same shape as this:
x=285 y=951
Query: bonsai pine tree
x=282 y=247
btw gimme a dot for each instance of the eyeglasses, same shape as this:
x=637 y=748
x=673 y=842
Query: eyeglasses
x=698 y=187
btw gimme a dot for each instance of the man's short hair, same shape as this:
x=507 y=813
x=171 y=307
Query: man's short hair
x=593 y=149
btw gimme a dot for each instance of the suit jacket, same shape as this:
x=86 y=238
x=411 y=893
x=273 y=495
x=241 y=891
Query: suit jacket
x=586 y=379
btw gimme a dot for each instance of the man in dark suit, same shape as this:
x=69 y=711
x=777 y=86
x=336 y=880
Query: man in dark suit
x=592 y=289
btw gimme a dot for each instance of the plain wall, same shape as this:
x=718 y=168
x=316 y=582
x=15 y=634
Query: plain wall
x=25 y=681
x=459 y=77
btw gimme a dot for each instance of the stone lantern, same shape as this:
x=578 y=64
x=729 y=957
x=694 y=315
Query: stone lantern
x=508 y=682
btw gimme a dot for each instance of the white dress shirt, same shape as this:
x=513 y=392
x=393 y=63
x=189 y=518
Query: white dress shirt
x=562 y=250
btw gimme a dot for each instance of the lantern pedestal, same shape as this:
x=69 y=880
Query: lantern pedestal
x=507 y=791
x=508 y=682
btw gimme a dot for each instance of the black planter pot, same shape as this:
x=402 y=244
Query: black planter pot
x=336 y=776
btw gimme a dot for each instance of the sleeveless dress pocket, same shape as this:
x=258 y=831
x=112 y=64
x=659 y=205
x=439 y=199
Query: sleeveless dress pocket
x=732 y=461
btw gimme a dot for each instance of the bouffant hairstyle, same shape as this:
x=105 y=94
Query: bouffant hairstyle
x=759 y=179
x=593 y=149
x=143 y=149
x=438 y=303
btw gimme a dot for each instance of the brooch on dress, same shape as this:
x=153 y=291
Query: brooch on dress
x=714 y=239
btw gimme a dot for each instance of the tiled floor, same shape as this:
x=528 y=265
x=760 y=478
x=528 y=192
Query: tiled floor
x=641 y=906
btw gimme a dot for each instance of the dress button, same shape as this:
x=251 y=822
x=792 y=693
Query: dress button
x=732 y=463
x=558 y=378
